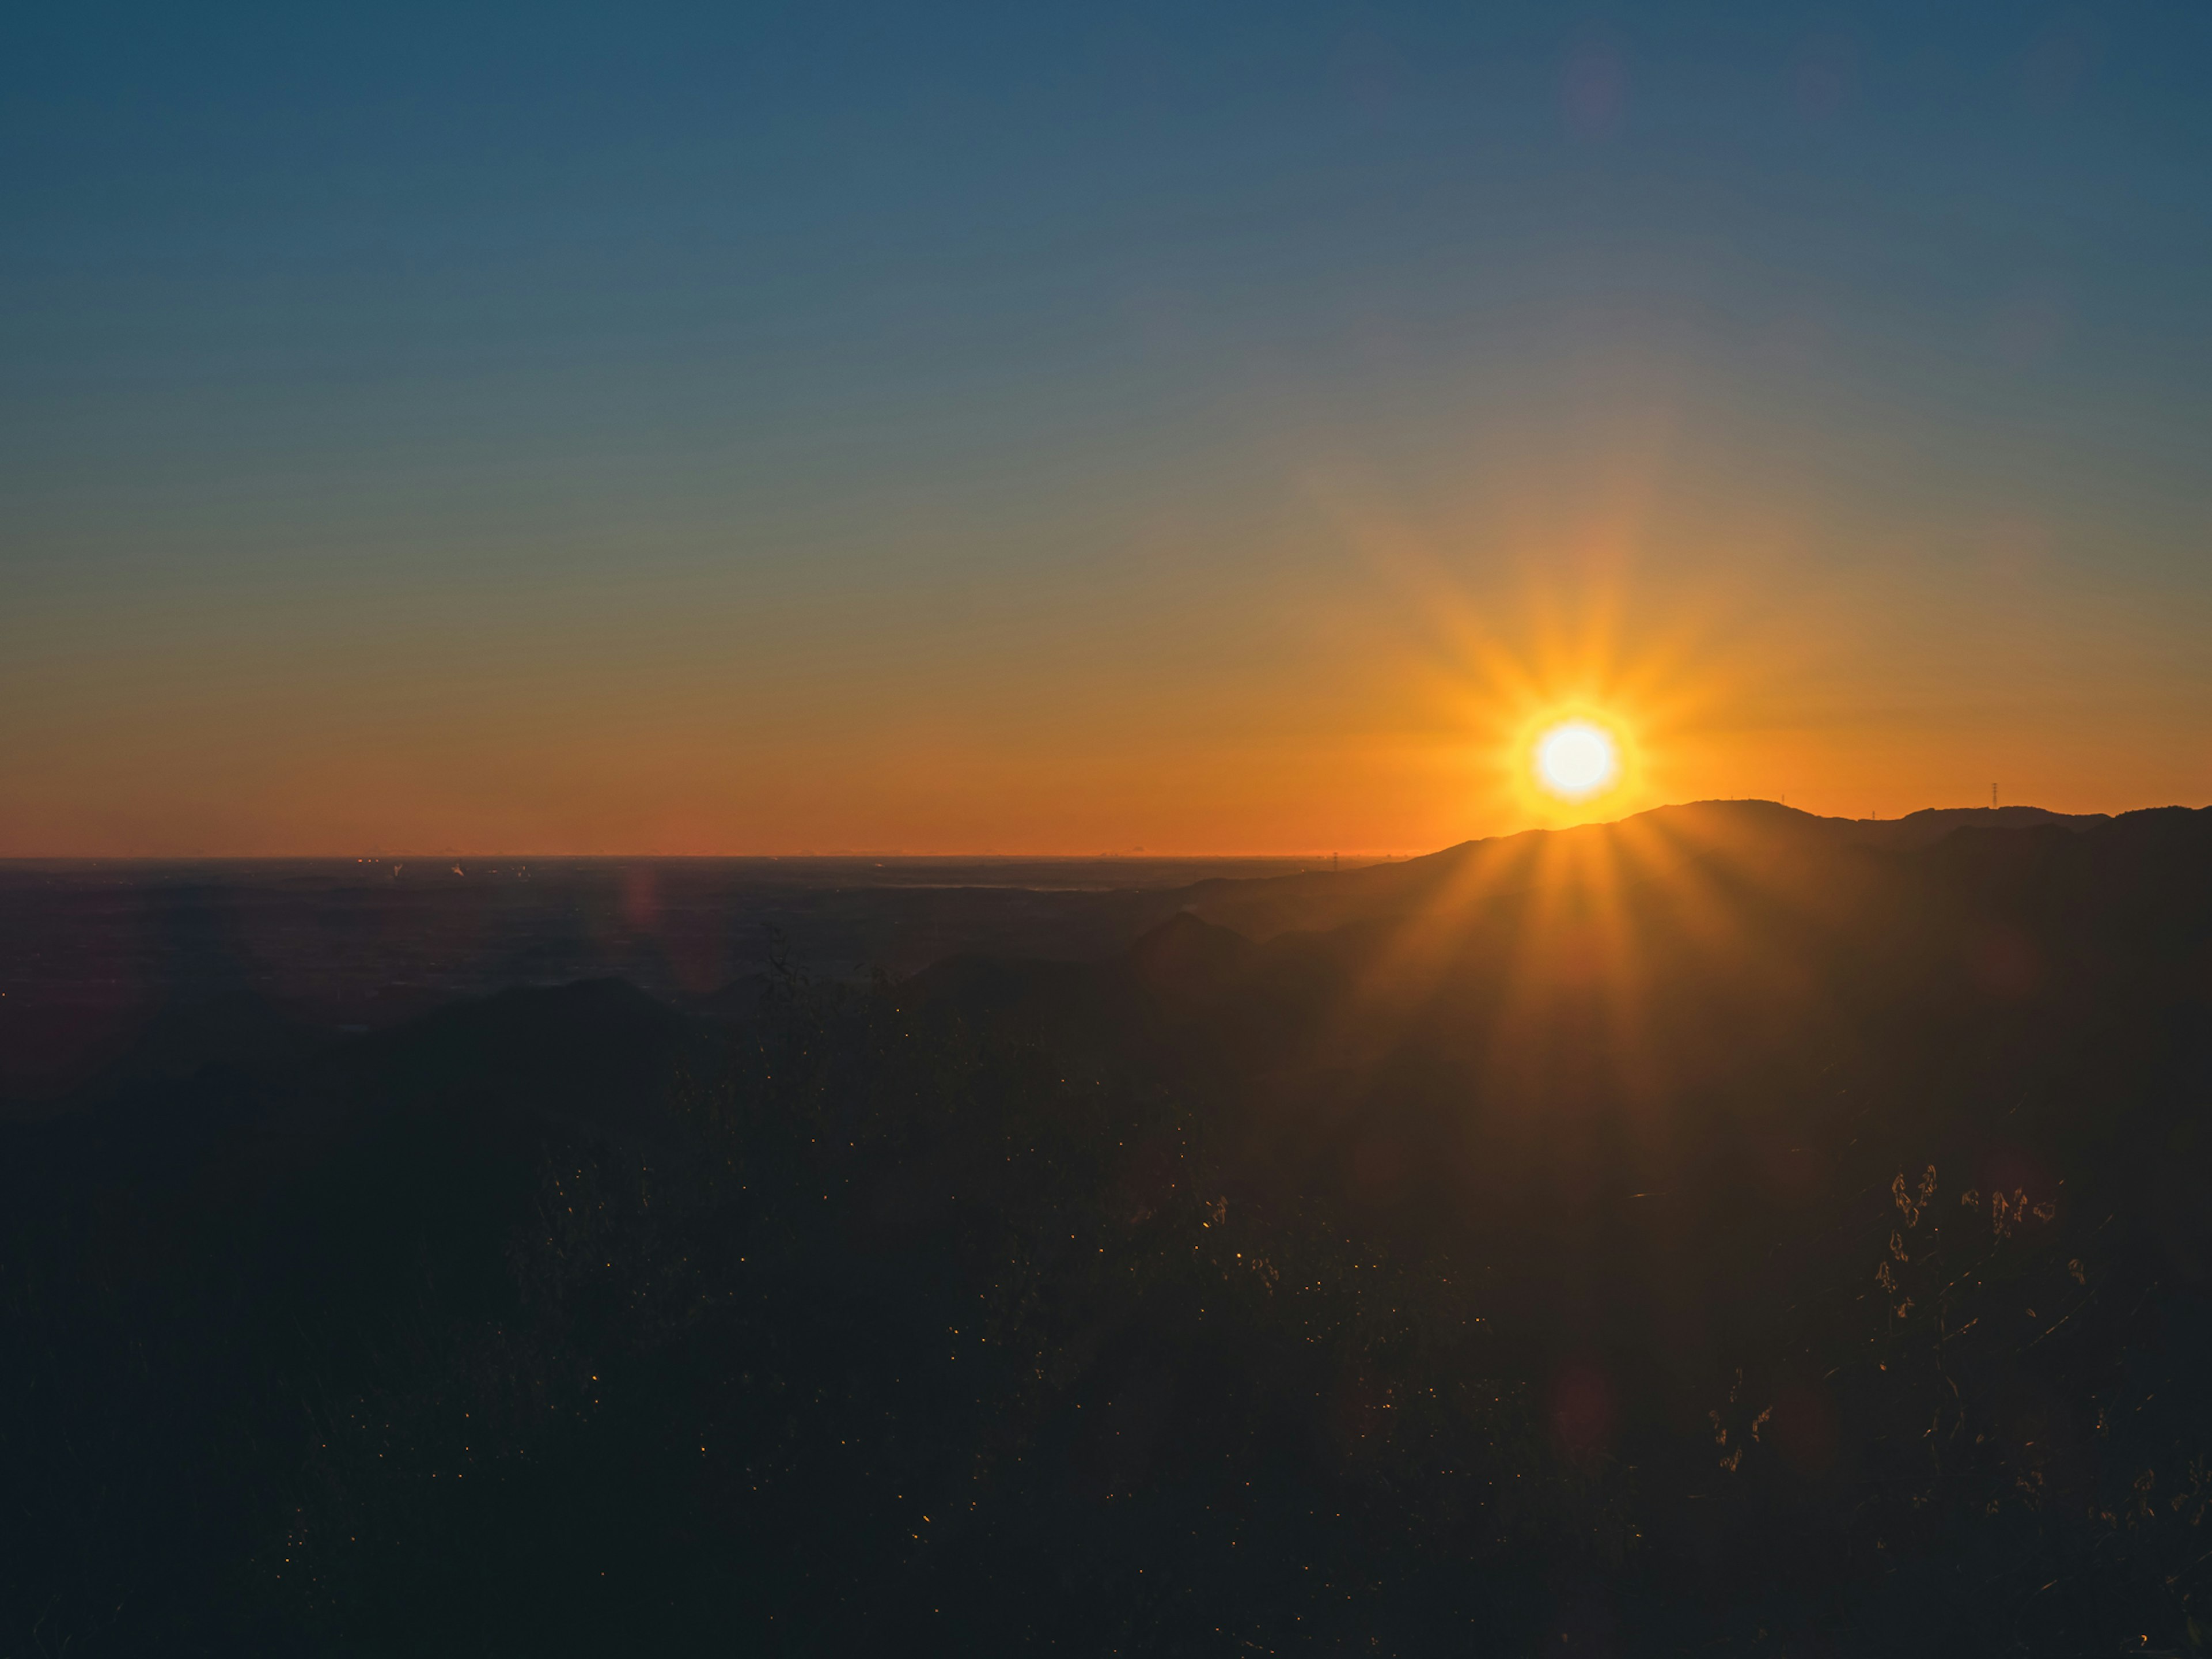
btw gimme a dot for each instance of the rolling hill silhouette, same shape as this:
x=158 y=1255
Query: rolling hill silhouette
x=1323 y=899
x=1719 y=1014
x=1722 y=1228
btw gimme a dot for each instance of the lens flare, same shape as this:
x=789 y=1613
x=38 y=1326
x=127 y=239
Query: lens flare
x=1576 y=760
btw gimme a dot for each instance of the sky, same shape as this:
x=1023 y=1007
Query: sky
x=1053 y=429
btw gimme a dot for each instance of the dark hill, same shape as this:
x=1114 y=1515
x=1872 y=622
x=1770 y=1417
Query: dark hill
x=1728 y=1091
x=1732 y=972
x=1323 y=899
x=1723 y=1232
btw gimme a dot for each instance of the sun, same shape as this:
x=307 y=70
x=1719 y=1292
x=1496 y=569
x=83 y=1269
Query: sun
x=1576 y=760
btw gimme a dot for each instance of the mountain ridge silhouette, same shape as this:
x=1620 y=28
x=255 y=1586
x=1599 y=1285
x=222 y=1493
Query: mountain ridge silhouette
x=1596 y=1218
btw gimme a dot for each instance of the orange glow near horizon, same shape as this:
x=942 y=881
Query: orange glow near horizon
x=1381 y=685
x=1200 y=531
x=1574 y=731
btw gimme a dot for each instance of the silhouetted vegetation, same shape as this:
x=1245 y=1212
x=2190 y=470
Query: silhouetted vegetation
x=1767 y=1245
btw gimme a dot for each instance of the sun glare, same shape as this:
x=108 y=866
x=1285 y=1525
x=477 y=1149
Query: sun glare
x=1576 y=760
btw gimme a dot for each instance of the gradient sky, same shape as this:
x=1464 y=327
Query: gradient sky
x=1071 y=430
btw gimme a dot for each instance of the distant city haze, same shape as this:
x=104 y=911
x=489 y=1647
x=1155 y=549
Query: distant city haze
x=973 y=432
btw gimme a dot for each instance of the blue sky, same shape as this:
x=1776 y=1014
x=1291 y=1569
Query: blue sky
x=818 y=386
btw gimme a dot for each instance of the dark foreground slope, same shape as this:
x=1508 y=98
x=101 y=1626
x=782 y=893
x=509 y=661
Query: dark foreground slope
x=1853 y=1196
x=1715 y=1232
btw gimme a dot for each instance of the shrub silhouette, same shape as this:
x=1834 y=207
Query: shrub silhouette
x=1274 y=1294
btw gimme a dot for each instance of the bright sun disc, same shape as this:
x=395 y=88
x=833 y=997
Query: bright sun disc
x=1576 y=760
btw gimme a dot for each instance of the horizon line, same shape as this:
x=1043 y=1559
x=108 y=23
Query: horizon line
x=1133 y=856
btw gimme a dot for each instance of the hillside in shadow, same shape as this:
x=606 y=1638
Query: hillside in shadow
x=1723 y=1232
